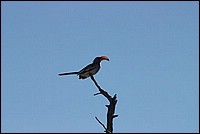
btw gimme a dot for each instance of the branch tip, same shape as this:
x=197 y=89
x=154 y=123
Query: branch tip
x=115 y=116
x=101 y=124
x=97 y=94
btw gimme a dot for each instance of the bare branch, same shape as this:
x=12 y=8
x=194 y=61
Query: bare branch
x=92 y=77
x=101 y=123
x=115 y=116
x=97 y=94
x=111 y=107
x=101 y=90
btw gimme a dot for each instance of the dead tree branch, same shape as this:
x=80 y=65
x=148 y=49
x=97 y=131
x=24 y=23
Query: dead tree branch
x=102 y=124
x=111 y=107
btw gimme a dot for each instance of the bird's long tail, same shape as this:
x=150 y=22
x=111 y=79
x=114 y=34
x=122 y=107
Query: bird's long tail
x=68 y=73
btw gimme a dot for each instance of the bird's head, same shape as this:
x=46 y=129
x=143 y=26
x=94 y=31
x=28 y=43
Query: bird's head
x=99 y=59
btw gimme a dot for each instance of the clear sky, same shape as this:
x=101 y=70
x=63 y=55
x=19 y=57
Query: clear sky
x=154 y=66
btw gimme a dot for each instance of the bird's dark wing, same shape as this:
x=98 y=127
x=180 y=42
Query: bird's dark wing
x=88 y=68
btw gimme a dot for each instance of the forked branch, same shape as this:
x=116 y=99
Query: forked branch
x=111 y=107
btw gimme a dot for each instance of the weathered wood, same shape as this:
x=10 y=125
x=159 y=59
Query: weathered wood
x=111 y=107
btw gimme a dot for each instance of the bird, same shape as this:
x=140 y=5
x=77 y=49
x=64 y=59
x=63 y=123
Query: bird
x=90 y=69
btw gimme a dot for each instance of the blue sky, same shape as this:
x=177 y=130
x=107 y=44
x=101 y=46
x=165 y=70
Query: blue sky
x=154 y=66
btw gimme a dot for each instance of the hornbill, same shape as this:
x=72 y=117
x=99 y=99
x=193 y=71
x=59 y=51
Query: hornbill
x=90 y=69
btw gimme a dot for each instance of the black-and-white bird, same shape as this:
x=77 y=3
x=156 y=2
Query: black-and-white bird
x=90 y=69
